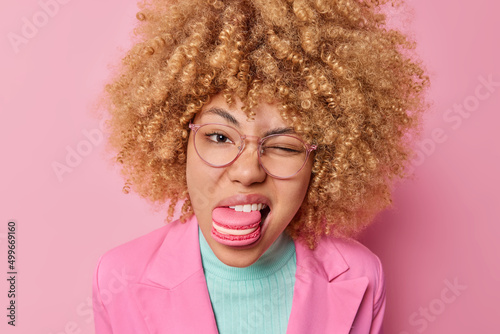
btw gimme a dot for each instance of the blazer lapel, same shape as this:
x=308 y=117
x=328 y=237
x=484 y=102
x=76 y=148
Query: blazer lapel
x=324 y=301
x=172 y=297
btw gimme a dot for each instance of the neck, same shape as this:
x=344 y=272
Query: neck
x=271 y=261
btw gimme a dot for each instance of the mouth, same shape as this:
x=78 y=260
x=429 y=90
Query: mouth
x=239 y=225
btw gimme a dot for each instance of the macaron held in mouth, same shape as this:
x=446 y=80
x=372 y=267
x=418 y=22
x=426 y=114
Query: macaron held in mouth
x=239 y=225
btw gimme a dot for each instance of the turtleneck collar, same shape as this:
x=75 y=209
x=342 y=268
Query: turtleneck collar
x=271 y=261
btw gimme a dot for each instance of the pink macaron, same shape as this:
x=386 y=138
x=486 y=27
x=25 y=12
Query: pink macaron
x=235 y=228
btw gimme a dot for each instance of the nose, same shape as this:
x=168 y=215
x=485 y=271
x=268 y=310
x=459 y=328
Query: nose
x=247 y=170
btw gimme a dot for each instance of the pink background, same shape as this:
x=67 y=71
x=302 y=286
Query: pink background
x=442 y=231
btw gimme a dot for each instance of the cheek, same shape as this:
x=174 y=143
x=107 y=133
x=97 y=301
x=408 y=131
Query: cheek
x=194 y=182
x=300 y=193
x=190 y=172
x=296 y=192
x=200 y=181
x=291 y=196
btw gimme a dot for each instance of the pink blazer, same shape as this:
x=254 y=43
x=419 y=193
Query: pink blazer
x=155 y=284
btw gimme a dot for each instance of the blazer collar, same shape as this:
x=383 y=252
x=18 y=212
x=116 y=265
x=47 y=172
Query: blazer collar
x=325 y=300
x=178 y=256
x=172 y=296
x=173 y=291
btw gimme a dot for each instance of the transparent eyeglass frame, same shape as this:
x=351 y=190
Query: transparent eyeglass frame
x=308 y=148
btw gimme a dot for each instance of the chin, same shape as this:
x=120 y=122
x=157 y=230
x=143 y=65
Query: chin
x=238 y=257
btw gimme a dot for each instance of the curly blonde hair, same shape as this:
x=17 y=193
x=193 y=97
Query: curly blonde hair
x=344 y=81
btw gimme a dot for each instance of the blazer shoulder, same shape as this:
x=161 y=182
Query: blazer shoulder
x=361 y=260
x=356 y=254
x=338 y=255
x=130 y=258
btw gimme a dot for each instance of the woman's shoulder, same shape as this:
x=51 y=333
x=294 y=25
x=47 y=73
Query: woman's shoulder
x=132 y=256
x=353 y=251
x=348 y=256
x=135 y=256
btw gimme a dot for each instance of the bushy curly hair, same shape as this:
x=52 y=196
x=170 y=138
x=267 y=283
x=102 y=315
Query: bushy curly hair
x=344 y=81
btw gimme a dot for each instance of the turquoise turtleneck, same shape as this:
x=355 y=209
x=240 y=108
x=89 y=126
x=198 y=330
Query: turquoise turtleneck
x=255 y=299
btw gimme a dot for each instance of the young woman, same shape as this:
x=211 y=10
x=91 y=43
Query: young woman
x=280 y=125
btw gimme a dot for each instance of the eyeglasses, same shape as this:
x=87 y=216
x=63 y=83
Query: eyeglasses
x=282 y=156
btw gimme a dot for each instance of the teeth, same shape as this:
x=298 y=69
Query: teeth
x=248 y=207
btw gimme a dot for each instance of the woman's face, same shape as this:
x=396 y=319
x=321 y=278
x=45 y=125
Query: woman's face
x=243 y=182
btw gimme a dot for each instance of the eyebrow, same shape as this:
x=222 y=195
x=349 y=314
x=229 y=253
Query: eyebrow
x=227 y=116
x=279 y=131
x=224 y=114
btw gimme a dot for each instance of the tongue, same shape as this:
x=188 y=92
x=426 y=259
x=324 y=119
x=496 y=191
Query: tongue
x=235 y=219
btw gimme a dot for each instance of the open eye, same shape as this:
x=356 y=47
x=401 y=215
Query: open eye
x=218 y=138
